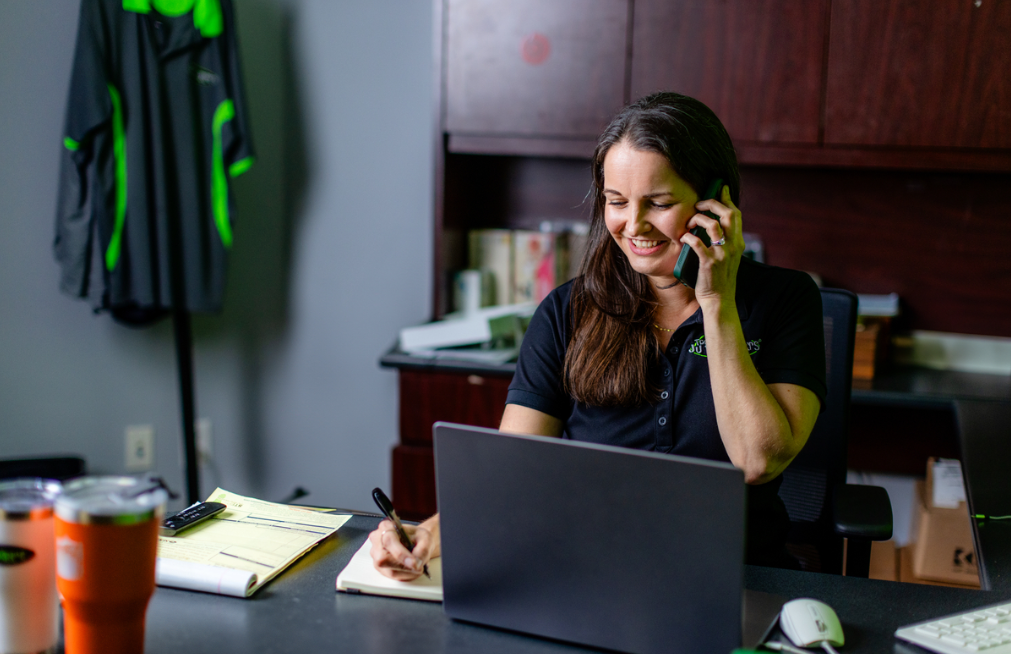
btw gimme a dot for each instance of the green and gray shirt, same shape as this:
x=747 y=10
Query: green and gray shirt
x=155 y=129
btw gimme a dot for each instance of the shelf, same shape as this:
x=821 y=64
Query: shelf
x=881 y=158
x=927 y=388
x=396 y=358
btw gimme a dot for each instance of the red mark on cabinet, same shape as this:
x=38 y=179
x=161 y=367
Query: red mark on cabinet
x=536 y=48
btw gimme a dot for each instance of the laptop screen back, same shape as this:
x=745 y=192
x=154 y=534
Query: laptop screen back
x=597 y=545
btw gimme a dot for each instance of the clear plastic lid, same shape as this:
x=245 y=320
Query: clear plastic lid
x=111 y=500
x=28 y=498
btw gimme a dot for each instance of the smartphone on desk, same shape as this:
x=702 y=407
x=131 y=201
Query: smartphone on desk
x=687 y=267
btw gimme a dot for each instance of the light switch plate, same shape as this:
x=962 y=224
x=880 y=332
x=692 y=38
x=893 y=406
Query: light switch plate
x=139 y=448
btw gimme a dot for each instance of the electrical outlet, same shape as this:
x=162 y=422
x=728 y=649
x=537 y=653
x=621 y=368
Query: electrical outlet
x=139 y=448
x=205 y=449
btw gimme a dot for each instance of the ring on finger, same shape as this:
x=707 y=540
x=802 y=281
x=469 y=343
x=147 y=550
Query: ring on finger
x=721 y=241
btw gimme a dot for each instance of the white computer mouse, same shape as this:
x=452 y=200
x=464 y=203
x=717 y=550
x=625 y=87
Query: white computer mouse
x=808 y=622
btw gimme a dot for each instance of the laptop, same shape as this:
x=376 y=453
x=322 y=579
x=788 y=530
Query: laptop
x=595 y=545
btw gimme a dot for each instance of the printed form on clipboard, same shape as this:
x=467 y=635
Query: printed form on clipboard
x=240 y=549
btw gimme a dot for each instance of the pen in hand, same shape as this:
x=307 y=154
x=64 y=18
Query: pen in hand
x=386 y=507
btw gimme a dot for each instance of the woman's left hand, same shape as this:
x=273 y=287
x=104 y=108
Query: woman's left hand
x=718 y=264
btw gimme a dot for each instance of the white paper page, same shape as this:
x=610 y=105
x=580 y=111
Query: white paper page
x=949 y=490
x=205 y=578
x=361 y=575
x=251 y=535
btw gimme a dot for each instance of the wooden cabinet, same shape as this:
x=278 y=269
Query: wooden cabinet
x=925 y=75
x=529 y=68
x=838 y=83
x=757 y=63
x=428 y=396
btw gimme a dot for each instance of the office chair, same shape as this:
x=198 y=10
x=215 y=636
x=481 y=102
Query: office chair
x=823 y=509
x=59 y=468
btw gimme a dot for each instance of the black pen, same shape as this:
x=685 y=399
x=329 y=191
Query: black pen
x=386 y=507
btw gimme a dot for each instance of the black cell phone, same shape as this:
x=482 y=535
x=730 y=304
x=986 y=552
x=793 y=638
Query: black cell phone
x=188 y=517
x=687 y=267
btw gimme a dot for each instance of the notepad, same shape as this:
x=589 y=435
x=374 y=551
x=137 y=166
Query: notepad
x=360 y=576
x=240 y=549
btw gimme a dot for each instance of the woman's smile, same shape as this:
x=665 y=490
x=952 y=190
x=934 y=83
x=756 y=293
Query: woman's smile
x=644 y=247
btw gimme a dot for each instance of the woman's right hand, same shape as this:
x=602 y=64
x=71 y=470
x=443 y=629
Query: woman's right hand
x=392 y=559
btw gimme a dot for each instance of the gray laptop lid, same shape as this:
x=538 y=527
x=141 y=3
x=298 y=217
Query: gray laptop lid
x=602 y=546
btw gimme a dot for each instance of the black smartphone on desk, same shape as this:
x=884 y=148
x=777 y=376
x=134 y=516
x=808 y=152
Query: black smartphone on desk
x=687 y=267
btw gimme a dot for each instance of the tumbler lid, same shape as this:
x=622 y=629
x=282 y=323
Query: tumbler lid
x=111 y=500
x=28 y=498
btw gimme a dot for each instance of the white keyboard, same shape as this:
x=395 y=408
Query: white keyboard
x=980 y=630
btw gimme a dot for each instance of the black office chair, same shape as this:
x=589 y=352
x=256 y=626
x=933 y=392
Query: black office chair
x=823 y=509
x=60 y=468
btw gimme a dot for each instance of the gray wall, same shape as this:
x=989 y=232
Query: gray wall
x=332 y=256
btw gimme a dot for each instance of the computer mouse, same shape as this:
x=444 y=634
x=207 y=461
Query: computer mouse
x=808 y=622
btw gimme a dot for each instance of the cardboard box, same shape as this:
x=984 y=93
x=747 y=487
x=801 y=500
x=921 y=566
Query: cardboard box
x=905 y=563
x=943 y=550
x=870 y=349
x=884 y=561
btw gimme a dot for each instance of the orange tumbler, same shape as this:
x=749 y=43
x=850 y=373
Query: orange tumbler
x=106 y=546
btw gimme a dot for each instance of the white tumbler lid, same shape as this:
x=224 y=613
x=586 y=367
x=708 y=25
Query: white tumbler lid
x=112 y=500
x=28 y=498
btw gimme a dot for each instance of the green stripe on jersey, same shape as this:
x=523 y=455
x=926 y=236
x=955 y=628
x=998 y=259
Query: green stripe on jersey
x=206 y=13
x=240 y=166
x=119 y=155
x=219 y=182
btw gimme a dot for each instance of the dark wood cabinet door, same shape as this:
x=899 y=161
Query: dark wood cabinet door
x=427 y=397
x=910 y=73
x=757 y=63
x=551 y=68
x=414 y=482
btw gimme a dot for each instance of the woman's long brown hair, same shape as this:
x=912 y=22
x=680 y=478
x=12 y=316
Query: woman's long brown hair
x=612 y=346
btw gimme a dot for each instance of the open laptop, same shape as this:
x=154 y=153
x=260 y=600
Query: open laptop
x=597 y=545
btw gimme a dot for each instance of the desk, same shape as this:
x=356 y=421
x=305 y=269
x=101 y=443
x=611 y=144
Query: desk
x=301 y=612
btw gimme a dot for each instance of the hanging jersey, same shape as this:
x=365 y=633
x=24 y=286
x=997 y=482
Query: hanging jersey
x=155 y=129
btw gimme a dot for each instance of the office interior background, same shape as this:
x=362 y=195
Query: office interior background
x=332 y=256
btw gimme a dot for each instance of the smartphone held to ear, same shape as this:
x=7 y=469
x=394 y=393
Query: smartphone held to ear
x=687 y=267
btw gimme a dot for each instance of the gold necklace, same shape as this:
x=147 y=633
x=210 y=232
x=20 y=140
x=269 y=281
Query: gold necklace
x=662 y=328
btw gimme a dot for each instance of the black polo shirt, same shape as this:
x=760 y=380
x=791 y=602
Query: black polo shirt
x=781 y=316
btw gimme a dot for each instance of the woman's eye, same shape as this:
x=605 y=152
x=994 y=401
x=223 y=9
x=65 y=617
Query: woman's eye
x=617 y=203
x=661 y=205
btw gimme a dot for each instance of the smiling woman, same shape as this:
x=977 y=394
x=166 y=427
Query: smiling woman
x=730 y=370
x=638 y=199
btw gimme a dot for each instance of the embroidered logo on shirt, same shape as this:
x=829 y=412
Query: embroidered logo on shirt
x=206 y=77
x=698 y=347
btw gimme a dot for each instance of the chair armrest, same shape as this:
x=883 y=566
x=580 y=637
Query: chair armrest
x=862 y=512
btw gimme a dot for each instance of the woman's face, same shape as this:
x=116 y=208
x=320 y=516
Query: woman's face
x=646 y=208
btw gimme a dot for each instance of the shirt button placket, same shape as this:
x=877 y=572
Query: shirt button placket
x=664 y=437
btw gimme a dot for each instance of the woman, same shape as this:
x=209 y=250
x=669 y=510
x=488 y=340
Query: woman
x=625 y=354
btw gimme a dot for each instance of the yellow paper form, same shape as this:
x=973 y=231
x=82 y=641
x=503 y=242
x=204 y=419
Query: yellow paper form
x=253 y=538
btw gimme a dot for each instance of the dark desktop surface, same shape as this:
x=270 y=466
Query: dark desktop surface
x=300 y=611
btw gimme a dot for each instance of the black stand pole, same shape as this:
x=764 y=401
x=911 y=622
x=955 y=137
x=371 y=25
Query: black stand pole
x=184 y=360
x=180 y=310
